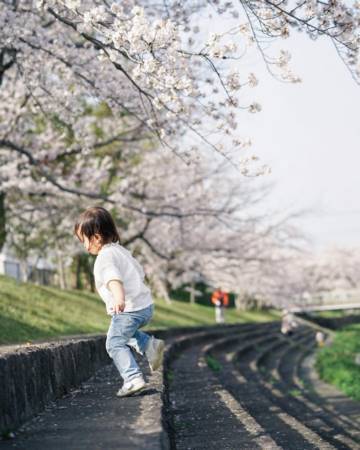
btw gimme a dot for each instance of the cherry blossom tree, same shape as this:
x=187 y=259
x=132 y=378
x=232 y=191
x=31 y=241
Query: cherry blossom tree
x=150 y=62
x=301 y=278
x=333 y=269
x=97 y=98
x=194 y=221
x=210 y=227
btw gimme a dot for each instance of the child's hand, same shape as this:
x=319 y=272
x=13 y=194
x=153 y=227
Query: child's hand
x=117 y=290
x=119 y=307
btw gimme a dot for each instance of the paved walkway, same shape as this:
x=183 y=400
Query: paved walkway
x=250 y=389
x=93 y=418
x=226 y=388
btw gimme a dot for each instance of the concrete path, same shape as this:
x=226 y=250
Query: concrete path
x=246 y=388
x=93 y=418
x=222 y=388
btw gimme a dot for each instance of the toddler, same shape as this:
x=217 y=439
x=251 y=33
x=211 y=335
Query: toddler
x=119 y=280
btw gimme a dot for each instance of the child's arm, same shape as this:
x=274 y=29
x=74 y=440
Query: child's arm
x=117 y=289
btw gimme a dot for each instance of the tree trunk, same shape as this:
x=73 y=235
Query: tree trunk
x=24 y=270
x=78 y=271
x=2 y=220
x=241 y=301
x=160 y=288
x=192 y=293
x=60 y=268
x=89 y=273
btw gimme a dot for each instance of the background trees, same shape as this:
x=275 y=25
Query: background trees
x=136 y=106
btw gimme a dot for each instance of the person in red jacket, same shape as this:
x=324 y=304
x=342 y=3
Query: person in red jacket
x=220 y=299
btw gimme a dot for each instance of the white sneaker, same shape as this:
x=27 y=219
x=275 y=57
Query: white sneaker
x=154 y=353
x=132 y=386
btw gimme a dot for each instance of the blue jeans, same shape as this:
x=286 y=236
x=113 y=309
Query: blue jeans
x=124 y=333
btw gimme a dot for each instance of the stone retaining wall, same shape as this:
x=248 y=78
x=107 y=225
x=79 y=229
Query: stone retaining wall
x=31 y=377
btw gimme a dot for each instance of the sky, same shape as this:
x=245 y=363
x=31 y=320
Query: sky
x=309 y=133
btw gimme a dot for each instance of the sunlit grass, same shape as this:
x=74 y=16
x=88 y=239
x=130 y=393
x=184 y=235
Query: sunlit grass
x=337 y=364
x=31 y=312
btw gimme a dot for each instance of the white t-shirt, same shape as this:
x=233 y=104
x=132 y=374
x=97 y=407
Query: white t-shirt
x=114 y=262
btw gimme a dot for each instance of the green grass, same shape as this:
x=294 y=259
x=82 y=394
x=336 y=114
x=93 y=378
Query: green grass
x=30 y=312
x=333 y=314
x=213 y=363
x=294 y=392
x=169 y=375
x=336 y=363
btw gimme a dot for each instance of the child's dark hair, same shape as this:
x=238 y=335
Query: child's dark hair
x=96 y=219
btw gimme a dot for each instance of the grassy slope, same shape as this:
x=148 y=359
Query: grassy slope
x=336 y=363
x=30 y=312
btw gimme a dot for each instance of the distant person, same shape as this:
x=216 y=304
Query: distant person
x=221 y=300
x=119 y=280
x=288 y=323
x=320 y=338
